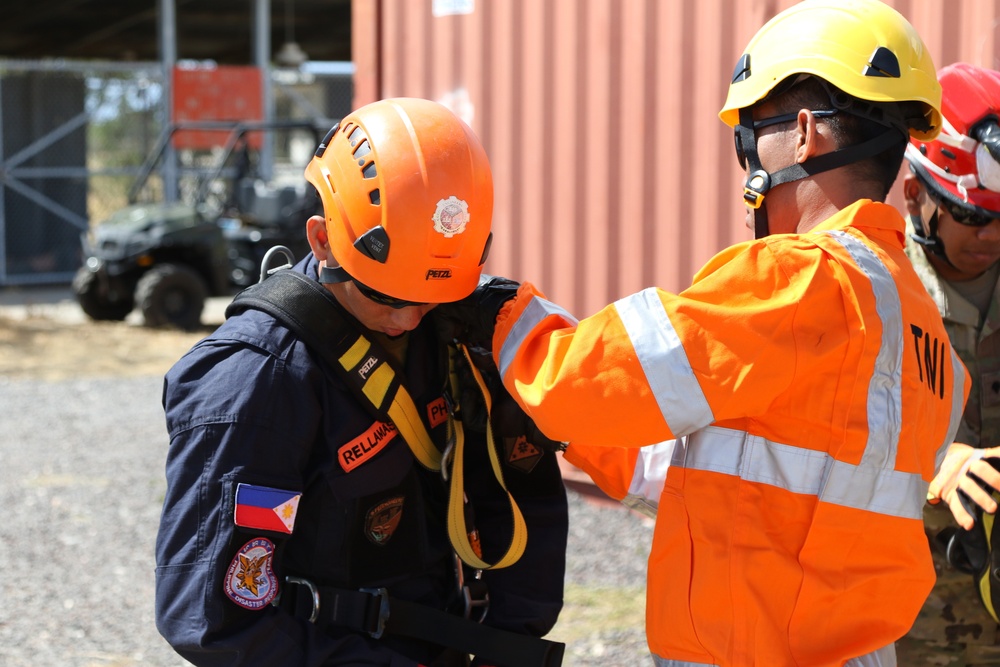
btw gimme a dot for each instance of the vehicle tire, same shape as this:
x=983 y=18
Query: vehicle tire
x=95 y=304
x=171 y=295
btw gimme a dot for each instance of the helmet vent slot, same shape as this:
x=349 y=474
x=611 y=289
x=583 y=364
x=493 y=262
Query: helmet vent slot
x=742 y=70
x=369 y=170
x=883 y=63
x=326 y=141
x=375 y=197
x=356 y=135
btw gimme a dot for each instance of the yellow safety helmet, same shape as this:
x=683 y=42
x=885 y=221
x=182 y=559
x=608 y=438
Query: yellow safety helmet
x=408 y=198
x=863 y=47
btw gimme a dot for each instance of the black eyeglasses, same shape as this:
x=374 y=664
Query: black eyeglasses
x=741 y=156
x=964 y=215
x=384 y=299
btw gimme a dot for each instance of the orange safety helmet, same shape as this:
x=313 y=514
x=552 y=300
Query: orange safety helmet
x=408 y=198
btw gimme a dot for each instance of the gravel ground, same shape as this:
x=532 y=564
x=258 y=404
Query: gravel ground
x=81 y=483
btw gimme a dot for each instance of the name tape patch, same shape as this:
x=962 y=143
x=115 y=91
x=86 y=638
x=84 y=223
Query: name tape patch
x=366 y=445
x=437 y=412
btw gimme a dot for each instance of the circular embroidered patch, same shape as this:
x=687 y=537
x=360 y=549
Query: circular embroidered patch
x=382 y=520
x=250 y=579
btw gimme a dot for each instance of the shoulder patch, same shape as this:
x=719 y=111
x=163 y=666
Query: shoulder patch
x=521 y=454
x=382 y=520
x=265 y=508
x=250 y=580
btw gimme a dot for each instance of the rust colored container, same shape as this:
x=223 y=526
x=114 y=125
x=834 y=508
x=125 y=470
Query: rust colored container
x=613 y=171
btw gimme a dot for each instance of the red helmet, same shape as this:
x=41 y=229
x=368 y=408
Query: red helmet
x=962 y=166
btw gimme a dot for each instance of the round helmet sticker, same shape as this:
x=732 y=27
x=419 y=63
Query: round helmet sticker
x=451 y=216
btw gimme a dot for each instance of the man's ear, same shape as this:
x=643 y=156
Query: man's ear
x=913 y=193
x=808 y=139
x=316 y=234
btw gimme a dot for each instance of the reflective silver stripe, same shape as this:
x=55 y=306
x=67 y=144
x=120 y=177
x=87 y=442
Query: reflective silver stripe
x=664 y=362
x=753 y=458
x=885 y=400
x=883 y=657
x=797 y=470
x=535 y=312
x=663 y=662
x=651 y=465
x=957 y=407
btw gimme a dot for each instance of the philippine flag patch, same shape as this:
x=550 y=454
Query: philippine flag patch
x=264 y=508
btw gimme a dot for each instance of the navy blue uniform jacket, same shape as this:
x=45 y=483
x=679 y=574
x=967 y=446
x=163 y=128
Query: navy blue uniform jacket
x=252 y=405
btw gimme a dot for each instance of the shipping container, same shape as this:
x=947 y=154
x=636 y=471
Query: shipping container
x=613 y=171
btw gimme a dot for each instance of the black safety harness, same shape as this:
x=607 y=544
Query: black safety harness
x=309 y=310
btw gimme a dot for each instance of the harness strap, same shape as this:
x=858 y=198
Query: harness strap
x=313 y=314
x=457 y=529
x=374 y=612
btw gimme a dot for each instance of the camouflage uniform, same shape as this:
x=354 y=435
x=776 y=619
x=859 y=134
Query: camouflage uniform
x=954 y=628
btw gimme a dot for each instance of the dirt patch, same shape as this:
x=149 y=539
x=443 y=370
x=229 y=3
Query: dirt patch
x=49 y=349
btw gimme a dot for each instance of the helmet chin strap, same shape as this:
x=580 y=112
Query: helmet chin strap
x=759 y=181
x=926 y=234
x=332 y=275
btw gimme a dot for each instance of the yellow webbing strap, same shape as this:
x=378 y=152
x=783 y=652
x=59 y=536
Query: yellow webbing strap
x=402 y=410
x=457 y=530
x=985 y=590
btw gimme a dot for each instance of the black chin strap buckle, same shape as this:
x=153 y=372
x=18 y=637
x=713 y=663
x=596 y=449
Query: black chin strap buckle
x=755 y=187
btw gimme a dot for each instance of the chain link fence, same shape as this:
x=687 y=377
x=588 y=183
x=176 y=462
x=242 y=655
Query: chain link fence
x=76 y=137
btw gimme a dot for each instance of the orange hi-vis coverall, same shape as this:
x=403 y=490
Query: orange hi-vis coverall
x=811 y=387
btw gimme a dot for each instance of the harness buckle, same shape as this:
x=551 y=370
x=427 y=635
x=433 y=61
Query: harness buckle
x=475 y=608
x=479 y=602
x=313 y=591
x=383 y=610
x=756 y=186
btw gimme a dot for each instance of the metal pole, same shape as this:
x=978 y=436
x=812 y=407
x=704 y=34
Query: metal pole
x=168 y=58
x=262 y=59
x=3 y=202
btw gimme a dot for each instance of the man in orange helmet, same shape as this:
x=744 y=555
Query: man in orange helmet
x=805 y=377
x=953 y=201
x=334 y=492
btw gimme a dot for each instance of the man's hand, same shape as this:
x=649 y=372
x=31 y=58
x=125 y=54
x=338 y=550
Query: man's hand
x=473 y=319
x=964 y=481
x=511 y=421
x=507 y=417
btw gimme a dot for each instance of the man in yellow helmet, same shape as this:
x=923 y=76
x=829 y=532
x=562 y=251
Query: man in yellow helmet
x=805 y=377
x=329 y=454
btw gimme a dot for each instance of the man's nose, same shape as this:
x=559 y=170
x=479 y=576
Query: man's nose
x=990 y=232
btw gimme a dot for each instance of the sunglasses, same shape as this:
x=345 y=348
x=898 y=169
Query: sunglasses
x=741 y=156
x=384 y=299
x=964 y=215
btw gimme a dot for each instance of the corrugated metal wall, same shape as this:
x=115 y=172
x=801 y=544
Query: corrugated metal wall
x=613 y=171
